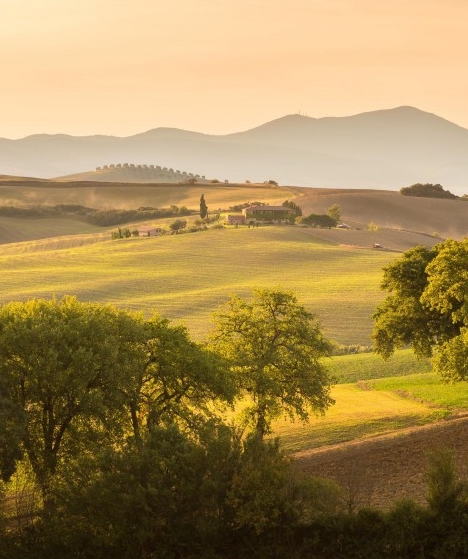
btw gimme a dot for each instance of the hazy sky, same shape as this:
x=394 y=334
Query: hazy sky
x=217 y=66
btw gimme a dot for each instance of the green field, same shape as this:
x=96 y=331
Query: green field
x=186 y=277
x=377 y=404
x=357 y=414
x=427 y=388
x=363 y=366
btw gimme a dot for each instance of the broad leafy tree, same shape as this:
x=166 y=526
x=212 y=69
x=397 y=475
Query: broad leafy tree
x=275 y=348
x=320 y=220
x=177 y=225
x=427 y=307
x=177 y=382
x=60 y=365
x=74 y=375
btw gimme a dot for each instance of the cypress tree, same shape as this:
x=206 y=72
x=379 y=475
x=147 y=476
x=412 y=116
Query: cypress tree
x=203 y=207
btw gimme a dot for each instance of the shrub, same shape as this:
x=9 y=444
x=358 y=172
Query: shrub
x=319 y=220
x=373 y=226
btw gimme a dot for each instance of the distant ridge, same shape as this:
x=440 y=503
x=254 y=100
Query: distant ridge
x=385 y=149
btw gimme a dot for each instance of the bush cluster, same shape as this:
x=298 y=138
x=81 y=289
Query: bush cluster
x=221 y=498
x=427 y=190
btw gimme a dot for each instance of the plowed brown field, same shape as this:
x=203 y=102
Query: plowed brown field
x=379 y=471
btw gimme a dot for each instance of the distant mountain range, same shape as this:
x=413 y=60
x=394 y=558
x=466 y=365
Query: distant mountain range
x=385 y=149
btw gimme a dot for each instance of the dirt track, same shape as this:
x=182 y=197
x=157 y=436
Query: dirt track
x=381 y=470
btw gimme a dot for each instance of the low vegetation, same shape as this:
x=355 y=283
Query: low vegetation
x=319 y=220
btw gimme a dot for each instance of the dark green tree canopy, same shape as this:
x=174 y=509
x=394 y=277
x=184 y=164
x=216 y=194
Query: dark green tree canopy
x=427 y=307
x=74 y=373
x=320 y=220
x=61 y=363
x=177 y=225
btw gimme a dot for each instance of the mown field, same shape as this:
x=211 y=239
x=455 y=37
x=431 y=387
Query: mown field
x=186 y=277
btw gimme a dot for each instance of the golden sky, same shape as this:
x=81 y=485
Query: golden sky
x=217 y=66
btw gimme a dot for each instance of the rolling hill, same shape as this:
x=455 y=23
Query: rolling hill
x=328 y=268
x=402 y=221
x=385 y=149
x=335 y=273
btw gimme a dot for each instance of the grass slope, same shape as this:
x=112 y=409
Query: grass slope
x=186 y=277
x=364 y=366
x=15 y=230
x=373 y=397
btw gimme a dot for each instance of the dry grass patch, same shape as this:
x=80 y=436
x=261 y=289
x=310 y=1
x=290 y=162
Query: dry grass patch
x=356 y=414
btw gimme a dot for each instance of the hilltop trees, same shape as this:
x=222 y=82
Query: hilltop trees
x=274 y=346
x=427 y=190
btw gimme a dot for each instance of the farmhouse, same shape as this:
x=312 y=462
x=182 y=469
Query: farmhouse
x=268 y=213
x=144 y=231
x=235 y=219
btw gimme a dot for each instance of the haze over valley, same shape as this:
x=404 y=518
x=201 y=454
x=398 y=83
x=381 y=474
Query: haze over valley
x=386 y=149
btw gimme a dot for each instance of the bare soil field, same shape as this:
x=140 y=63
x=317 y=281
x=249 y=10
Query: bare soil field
x=389 y=210
x=379 y=471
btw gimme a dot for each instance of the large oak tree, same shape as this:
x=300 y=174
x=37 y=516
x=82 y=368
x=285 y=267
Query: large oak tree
x=75 y=374
x=275 y=348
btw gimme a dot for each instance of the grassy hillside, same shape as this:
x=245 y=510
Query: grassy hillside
x=365 y=366
x=14 y=230
x=335 y=274
x=185 y=277
x=374 y=397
